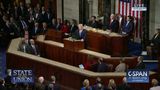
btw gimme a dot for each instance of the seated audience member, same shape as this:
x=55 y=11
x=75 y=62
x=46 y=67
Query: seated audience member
x=124 y=85
x=73 y=27
x=114 y=24
x=80 y=34
x=59 y=24
x=121 y=67
x=86 y=85
x=100 y=66
x=112 y=85
x=128 y=27
x=155 y=85
x=100 y=24
x=25 y=47
x=53 y=85
x=154 y=47
x=2 y=86
x=34 y=47
x=35 y=31
x=44 y=28
x=99 y=85
x=140 y=64
x=92 y=22
x=53 y=24
x=8 y=82
x=65 y=27
x=40 y=85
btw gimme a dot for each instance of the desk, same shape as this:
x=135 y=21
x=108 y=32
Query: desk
x=54 y=35
x=56 y=51
x=112 y=43
x=73 y=45
x=67 y=75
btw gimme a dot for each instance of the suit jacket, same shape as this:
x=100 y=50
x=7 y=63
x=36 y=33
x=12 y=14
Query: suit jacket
x=52 y=86
x=140 y=66
x=27 y=49
x=93 y=25
x=22 y=12
x=156 y=39
x=73 y=29
x=43 y=17
x=114 y=26
x=58 y=26
x=35 y=32
x=39 y=86
x=128 y=28
x=2 y=87
x=102 y=67
x=37 y=17
x=124 y=87
x=79 y=36
x=36 y=51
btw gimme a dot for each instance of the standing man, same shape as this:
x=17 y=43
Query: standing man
x=128 y=27
x=80 y=33
x=114 y=24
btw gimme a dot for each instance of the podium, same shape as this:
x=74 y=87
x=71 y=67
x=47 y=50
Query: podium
x=73 y=45
x=113 y=44
x=54 y=35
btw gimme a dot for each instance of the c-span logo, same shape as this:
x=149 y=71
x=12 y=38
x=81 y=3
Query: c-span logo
x=137 y=76
x=22 y=76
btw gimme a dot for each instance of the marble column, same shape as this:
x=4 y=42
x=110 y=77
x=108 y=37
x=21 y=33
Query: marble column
x=90 y=2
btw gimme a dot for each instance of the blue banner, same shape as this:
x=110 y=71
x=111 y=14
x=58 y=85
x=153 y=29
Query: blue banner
x=22 y=76
x=137 y=76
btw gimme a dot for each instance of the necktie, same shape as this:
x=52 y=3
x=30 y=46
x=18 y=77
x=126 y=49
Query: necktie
x=127 y=23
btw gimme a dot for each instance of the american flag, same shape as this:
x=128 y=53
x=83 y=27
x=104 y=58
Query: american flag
x=124 y=7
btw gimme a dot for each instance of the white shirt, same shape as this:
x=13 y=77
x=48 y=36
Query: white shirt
x=155 y=88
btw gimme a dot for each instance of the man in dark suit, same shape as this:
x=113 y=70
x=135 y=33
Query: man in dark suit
x=58 y=24
x=44 y=28
x=2 y=82
x=154 y=47
x=53 y=85
x=140 y=64
x=49 y=17
x=40 y=85
x=36 y=30
x=43 y=15
x=34 y=47
x=80 y=34
x=155 y=41
x=124 y=85
x=93 y=23
x=73 y=27
x=22 y=11
x=25 y=47
x=114 y=24
x=101 y=66
x=128 y=27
